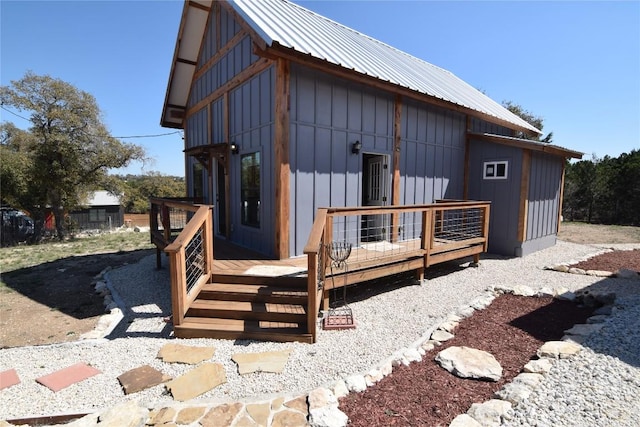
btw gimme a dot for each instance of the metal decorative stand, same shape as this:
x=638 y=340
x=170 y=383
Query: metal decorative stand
x=340 y=315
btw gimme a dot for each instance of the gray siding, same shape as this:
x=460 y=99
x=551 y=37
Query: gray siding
x=481 y=126
x=431 y=154
x=251 y=127
x=326 y=116
x=503 y=194
x=196 y=129
x=544 y=195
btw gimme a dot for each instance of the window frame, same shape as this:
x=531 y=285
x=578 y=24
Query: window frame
x=495 y=164
x=249 y=218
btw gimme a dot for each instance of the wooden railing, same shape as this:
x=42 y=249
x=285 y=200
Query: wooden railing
x=167 y=218
x=191 y=261
x=390 y=239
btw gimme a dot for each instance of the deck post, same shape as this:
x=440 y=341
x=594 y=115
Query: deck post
x=326 y=239
x=427 y=235
x=312 y=294
x=177 y=272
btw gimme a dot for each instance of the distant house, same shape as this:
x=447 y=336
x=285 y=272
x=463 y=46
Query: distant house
x=286 y=111
x=102 y=211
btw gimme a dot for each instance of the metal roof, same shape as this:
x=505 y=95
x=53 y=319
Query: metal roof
x=102 y=198
x=287 y=24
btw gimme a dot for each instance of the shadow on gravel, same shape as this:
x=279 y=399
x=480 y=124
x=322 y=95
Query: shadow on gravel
x=620 y=335
x=65 y=285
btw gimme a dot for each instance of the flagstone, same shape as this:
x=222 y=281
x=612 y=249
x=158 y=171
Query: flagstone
x=63 y=378
x=178 y=353
x=289 y=419
x=161 y=416
x=197 y=381
x=190 y=415
x=270 y=361
x=299 y=404
x=277 y=403
x=8 y=378
x=221 y=416
x=259 y=412
x=141 y=378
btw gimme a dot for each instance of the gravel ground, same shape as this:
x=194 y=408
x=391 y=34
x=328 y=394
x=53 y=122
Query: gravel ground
x=390 y=316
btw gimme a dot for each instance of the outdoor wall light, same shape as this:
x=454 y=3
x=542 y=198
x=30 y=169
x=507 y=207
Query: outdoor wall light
x=356 y=147
x=234 y=148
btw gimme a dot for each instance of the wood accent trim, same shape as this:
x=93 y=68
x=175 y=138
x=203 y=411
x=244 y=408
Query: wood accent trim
x=564 y=165
x=187 y=61
x=199 y=6
x=281 y=158
x=527 y=145
x=524 y=195
x=221 y=52
x=352 y=75
x=227 y=166
x=397 y=146
x=252 y=70
x=467 y=159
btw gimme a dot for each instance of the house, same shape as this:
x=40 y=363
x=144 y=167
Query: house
x=102 y=211
x=286 y=111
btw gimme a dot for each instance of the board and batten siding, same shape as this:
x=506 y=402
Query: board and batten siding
x=543 y=202
x=251 y=128
x=504 y=194
x=327 y=115
x=196 y=133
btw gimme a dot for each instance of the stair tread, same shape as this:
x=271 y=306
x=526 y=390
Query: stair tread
x=253 y=289
x=247 y=306
x=235 y=325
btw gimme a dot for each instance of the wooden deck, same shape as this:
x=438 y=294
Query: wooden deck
x=221 y=290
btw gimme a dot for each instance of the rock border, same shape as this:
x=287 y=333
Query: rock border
x=114 y=307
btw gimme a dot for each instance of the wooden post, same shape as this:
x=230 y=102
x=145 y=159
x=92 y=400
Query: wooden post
x=312 y=293
x=397 y=142
x=427 y=235
x=485 y=228
x=178 y=277
x=561 y=196
x=524 y=195
x=467 y=160
x=327 y=239
x=281 y=159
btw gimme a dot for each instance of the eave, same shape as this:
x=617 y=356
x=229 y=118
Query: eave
x=526 y=144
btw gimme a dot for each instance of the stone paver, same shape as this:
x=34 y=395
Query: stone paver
x=141 y=378
x=197 y=381
x=8 y=378
x=63 y=378
x=270 y=361
x=178 y=353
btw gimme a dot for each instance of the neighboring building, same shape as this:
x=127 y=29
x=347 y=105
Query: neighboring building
x=102 y=211
x=286 y=111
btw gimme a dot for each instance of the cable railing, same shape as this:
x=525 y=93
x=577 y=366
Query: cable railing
x=387 y=240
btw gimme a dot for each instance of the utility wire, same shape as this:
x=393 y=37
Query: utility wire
x=117 y=137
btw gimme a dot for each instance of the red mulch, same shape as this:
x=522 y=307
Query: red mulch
x=512 y=328
x=612 y=261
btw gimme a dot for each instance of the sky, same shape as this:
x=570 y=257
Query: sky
x=574 y=63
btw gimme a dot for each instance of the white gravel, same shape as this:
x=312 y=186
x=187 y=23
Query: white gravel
x=390 y=317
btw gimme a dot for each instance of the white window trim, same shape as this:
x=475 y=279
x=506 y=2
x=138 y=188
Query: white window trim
x=495 y=168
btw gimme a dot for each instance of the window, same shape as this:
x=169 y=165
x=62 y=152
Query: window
x=198 y=179
x=97 y=215
x=250 y=189
x=496 y=170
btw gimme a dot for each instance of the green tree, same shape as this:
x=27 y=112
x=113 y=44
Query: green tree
x=532 y=119
x=137 y=189
x=68 y=151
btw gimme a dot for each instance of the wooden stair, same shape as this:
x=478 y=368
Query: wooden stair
x=249 y=307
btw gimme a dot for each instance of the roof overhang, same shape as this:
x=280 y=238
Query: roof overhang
x=526 y=144
x=185 y=58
